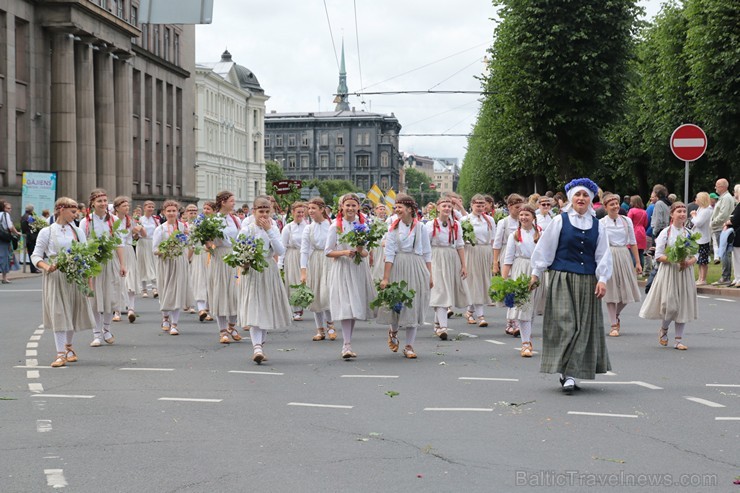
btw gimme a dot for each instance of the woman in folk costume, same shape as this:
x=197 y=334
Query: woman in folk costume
x=222 y=289
x=290 y=262
x=350 y=285
x=505 y=228
x=199 y=268
x=516 y=263
x=622 y=286
x=315 y=266
x=263 y=298
x=173 y=273
x=575 y=248
x=672 y=297
x=408 y=257
x=107 y=284
x=145 y=261
x=66 y=309
x=377 y=254
x=479 y=260
x=448 y=265
x=129 y=230
x=188 y=216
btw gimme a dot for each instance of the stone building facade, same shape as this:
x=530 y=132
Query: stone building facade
x=89 y=92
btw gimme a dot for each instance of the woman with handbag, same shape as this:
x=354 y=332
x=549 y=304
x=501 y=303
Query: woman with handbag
x=8 y=242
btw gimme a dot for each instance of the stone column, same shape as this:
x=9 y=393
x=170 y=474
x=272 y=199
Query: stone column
x=85 y=100
x=105 y=132
x=63 y=120
x=124 y=120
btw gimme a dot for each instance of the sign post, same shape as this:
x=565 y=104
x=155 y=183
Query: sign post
x=688 y=143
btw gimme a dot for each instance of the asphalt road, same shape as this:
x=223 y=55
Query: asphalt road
x=469 y=414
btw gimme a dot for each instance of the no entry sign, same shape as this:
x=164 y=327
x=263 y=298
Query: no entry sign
x=688 y=142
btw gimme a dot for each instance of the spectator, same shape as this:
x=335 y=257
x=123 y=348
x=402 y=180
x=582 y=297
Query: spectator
x=31 y=235
x=660 y=214
x=625 y=205
x=701 y=218
x=720 y=215
x=640 y=221
x=649 y=211
x=734 y=222
x=8 y=261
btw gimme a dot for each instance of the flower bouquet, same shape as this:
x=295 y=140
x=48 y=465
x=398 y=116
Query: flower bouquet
x=205 y=229
x=395 y=296
x=365 y=236
x=79 y=263
x=301 y=295
x=499 y=215
x=248 y=252
x=173 y=246
x=512 y=292
x=36 y=223
x=107 y=243
x=685 y=246
x=468 y=232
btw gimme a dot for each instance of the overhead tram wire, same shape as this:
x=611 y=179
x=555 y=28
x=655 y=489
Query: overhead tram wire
x=428 y=91
x=451 y=76
x=357 y=38
x=331 y=34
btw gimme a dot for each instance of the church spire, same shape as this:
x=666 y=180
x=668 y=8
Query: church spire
x=342 y=99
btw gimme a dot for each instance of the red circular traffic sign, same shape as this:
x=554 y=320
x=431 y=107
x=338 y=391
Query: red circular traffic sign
x=688 y=142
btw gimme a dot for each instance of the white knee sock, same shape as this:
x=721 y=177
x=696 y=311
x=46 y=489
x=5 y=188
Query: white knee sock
x=201 y=305
x=98 y=324
x=525 y=328
x=410 y=335
x=107 y=319
x=441 y=313
x=221 y=320
x=143 y=286
x=232 y=319
x=175 y=315
x=257 y=335
x=612 y=309
x=60 y=339
x=319 y=318
x=347 y=326
x=664 y=324
x=327 y=317
x=679 y=329
x=69 y=335
x=620 y=307
x=131 y=302
x=478 y=311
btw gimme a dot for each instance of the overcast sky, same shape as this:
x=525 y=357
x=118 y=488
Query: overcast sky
x=403 y=45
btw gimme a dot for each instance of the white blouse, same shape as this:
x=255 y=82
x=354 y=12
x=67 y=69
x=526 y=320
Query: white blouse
x=314 y=238
x=231 y=226
x=485 y=232
x=164 y=231
x=666 y=238
x=332 y=237
x=504 y=228
x=516 y=249
x=291 y=236
x=544 y=253
x=442 y=239
x=701 y=224
x=126 y=233
x=99 y=225
x=543 y=220
x=150 y=224
x=621 y=232
x=270 y=237
x=407 y=240
x=54 y=239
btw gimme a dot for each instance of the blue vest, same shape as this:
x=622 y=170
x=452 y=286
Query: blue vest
x=576 y=251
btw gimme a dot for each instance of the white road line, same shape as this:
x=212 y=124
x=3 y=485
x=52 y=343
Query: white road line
x=369 y=376
x=702 y=296
x=34 y=338
x=487 y=379
x=608 y=415
x=461 y=409
x=65 y=396
x=41 y=326
x=246 y=372
x=31 y=352
x=647 y=385
x=632 y=382
x=610 y=374
x=330 y=406
x=55 y=478
x=186 y=399
x=43 y=425
x=147 y=369
x=727 y=418
x=32 y=345
x=35 y=387
x=699 y=400
x=494 y=341
x=725 y=299
x=33 y=374
x=32 y=362
x=723 y=385
x=39 y=332
x=37 y=367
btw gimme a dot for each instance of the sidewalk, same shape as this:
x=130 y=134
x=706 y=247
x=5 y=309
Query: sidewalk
x=13 y=275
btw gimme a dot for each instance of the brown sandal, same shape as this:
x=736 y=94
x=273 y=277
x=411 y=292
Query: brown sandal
x=320 y=335
x=615 y=331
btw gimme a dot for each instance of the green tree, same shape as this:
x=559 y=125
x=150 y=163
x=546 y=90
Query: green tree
x=417 y=186
x=274 y=172
x=331 y=189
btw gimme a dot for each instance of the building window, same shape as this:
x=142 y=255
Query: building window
x=324 y=159
x=279 y=141
x=145 y=36
x=304 y=139
x=340 y=139
x=339 y=161
x=383 y=159
x=267 y=141
x=304 y=162
x=121 y=9
x=166 y=44
x=155 y=35
x=134 y=20
x=254 y=118
x=324 y=138
x=255 y=151
x=177 y=49
x=359 y=138
x=384 y=183
x=291 y=162
x=367 y=138
x=362 y=161
x=291 y=140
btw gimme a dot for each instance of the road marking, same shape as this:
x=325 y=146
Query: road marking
x=246 y=372
x=610 y=374
x=723 y=385
x=461 y=409
x=186 y=399
x=494 y=341
x=633 y=382
x=699 y=400
x=725 y=299
x=701 y=296
x=727 y=418
x=487 y=379
x=147 y=369
x=369 y=376
x=43 y=425
x=32 y=345
x=35 y=387
x=31 y=352
x=330 y=406
x=32 y=363
x=41 y=326
x=33 y=374
x=34 y=338
x=608 y=415
x=39 y=332
x=55 y=478
x=65 y=396
x=37 y=367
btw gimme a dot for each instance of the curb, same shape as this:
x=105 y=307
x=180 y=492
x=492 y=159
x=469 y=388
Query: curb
x=710 y=290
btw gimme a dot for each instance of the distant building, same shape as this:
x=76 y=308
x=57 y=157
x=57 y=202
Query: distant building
x=229 y=131
x=443 y=172
x=344 y=144
x=89 y=92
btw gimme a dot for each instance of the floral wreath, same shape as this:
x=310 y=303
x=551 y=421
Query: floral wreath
x=583 y=182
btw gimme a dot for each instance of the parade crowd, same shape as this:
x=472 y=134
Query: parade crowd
x=573 y=249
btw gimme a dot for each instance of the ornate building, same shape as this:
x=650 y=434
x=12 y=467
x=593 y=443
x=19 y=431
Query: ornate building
x=89 y=92
x=229 y=133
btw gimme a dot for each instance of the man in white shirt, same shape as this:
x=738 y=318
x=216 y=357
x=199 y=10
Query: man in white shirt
x=720 y=215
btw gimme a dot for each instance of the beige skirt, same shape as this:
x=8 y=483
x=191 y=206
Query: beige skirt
x=292 y=268
x=411 y=268
x=263 y=299
x=107 y=287
x=145 y=260
x=199 y=276
x=351 y=289
x=672 y=295
x=317 y=279
x=65 y=307
x=222 y=293
x=378 y=269
x=172 y=275
x=622 y=286
x=479 y=259
x=131 y=282
x=449 y=288
x=521 y=266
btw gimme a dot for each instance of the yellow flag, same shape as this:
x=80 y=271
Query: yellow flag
x=390 y=198
x=375 y=194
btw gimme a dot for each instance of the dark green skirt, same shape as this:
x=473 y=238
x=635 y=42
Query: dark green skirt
x=573 y=340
